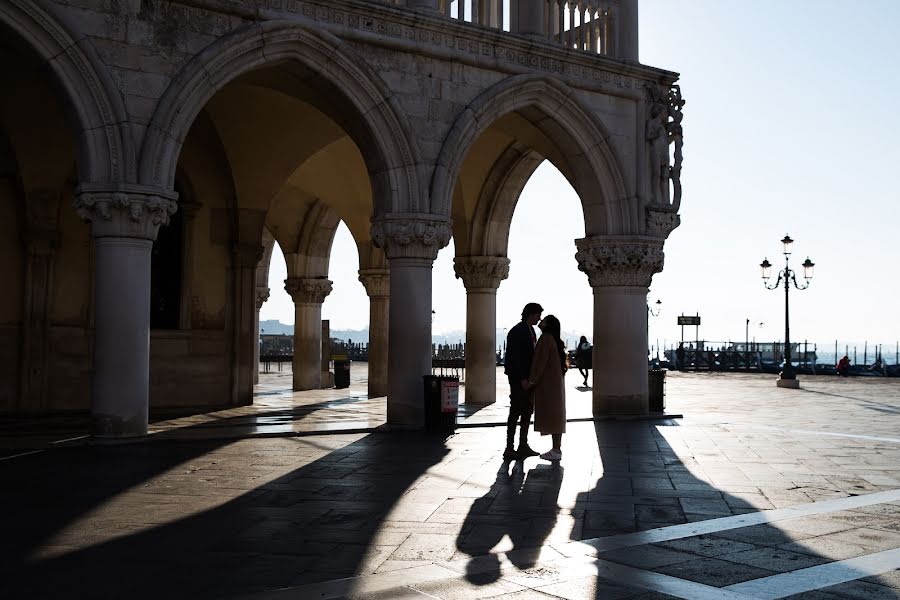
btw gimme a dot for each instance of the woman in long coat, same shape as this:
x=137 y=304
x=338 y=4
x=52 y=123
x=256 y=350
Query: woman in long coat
x=548 y=369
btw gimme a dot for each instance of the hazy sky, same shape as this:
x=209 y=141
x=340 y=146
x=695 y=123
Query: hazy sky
x=791 y=126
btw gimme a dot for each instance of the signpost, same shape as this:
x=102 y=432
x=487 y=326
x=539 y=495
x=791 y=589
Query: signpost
x=688 y=320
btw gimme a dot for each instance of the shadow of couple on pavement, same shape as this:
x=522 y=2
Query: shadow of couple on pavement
x=643 y=476
x=514 y=517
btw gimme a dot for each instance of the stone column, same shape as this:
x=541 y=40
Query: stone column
x=529 y=17
x=378 y=286
x=620 y=271
x=262 y=294
x=627 y=43
x=41 y=248
x=308 y=295
x=123 y=226
x=411 y=243
x=41 y=239
x=245 y=257
x=482 y=276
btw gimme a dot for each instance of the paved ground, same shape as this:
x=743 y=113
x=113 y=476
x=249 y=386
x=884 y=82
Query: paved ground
x=758 y=492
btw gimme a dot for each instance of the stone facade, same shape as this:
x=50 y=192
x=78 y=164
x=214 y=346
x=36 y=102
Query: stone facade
x=270 y=122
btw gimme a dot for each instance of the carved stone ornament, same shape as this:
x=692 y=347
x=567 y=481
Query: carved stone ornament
x=664 y=129
x=120 y=214
x=411 y=237
x=262 y=294
x=307 y=290
x=612 y=262
x=376 y=281
x=661 y=222
x=481 y=272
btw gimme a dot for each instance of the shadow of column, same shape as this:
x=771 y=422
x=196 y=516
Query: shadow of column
x=646 y=485
x=317 y=522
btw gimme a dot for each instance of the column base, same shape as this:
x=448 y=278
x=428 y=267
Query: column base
x=112 y=427
x=479 y=402
x=377 y=391
x=619 y=406
x=117 y=441
x=327 y=380
x=788 y=383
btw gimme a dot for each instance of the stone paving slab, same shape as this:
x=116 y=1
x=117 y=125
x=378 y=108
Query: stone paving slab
x=755 y=484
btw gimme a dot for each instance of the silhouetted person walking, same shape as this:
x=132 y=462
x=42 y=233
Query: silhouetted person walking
x=584 y=358
x=520 y=343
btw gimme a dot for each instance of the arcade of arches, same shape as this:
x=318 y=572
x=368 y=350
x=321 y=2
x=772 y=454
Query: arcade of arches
x=145 y=178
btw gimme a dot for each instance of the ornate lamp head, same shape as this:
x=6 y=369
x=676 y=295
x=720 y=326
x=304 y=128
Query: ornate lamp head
x=808 y=267
x=766 y=268
x=788 y=242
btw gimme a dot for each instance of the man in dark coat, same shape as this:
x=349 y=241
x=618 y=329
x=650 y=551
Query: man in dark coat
x=520 y=344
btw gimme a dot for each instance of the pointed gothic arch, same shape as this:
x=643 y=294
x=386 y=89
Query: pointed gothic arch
x=105 y=152
x=381 y=131
x=582 y=140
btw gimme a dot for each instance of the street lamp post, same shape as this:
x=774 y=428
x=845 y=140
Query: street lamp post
x=788 y=378
x=653 y=311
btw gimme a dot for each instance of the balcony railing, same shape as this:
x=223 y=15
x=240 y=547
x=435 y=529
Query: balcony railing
x=583 y=25
x=586 y=25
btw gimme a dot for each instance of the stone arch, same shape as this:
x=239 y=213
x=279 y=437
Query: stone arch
x=262 y=269
x=314 y=243
x=579 y=135
x=105 y=150
x=387 y=148
x=497 y=202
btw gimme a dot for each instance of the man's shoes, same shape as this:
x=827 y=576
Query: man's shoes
x=510 y=454
x=526 y=451
x=552 y=455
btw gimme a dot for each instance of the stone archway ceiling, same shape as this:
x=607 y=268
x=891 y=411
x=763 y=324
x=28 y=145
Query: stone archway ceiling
x=35 y=121
x=516 y=133
x=267 y=144
x=94 y=107
x=291 y=143
x=297 y=81
x=348 y=89
x=527 y=127
x=335 y=177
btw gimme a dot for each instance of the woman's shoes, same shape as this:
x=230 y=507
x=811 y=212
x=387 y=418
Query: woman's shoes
x=552 y=455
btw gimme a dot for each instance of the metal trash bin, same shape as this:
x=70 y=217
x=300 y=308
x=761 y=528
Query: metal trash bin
x=341 y=371
x=441 y=403
x=657 y=390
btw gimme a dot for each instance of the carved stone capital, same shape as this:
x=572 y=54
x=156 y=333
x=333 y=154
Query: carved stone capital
x=304 y=290
x=661 y=222
x=262 y=294
x=376 y=281
x=481 y=272
x=120 y=214
x=610 y=261
x=411 y=236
